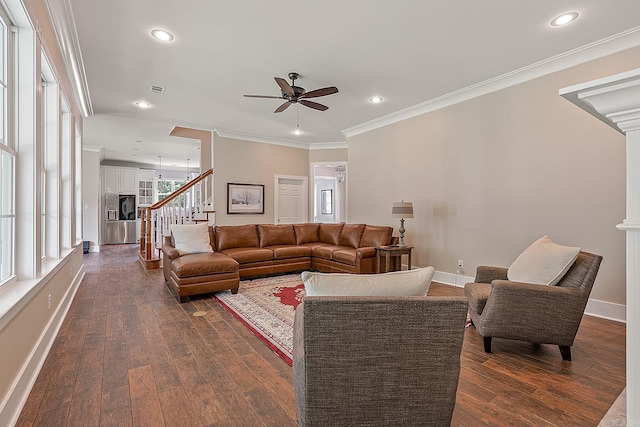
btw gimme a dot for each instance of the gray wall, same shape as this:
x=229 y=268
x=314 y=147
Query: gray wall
x=491 y=175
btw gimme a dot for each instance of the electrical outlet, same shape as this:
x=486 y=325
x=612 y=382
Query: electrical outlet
x=49 y=302
x=460 y=264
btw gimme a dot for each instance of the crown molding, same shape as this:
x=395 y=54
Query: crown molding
x=258 y=138
x=598 y=49
x=64 y=27
x=327 y=145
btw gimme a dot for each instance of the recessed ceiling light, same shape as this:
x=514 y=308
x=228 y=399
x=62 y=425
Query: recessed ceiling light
x=376 y=99
x=564 y=19
x=143 y=104
x=162 y=35
x=297 y=132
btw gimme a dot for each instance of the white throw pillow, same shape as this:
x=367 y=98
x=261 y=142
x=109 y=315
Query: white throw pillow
x=191 y=238
x=398 y=283
x=543 y=263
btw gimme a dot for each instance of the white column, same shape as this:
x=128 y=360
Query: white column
x=616 y=101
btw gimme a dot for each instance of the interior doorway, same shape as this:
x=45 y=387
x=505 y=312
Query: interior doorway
x=290 y=204
x=329 y=183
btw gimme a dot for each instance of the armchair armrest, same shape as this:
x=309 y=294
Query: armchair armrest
x=170 y=252
x=534 y=313
x=487 y=274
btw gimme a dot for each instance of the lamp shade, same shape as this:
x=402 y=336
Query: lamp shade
x=402 y=210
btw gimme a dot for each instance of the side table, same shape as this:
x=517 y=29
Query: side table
x=392 y=251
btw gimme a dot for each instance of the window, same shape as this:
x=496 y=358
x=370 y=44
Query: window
x=7 y=163
x=168 y=186
x=7 y=214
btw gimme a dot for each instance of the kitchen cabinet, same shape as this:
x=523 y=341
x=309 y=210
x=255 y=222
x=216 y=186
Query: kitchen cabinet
x=119 y=180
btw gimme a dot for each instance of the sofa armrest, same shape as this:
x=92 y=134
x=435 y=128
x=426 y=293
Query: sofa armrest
x=368 y=252
x=487 y=274
x=170 y=252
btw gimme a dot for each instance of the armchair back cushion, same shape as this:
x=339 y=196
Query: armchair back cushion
x=236 y=236
x=398 y=283
x=543 y=263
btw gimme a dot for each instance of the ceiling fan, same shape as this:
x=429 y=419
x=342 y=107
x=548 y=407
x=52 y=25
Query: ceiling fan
x=296 y=94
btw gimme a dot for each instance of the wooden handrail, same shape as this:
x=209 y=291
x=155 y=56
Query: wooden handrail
x=183 y=189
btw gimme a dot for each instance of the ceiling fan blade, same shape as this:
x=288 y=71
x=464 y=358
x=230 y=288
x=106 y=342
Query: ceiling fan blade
x=264 y=96
x=286 y=87
x=321 y=92
x=283 y=107
x=313 y=105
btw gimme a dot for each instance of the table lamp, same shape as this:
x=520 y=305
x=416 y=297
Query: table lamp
x=402 y=210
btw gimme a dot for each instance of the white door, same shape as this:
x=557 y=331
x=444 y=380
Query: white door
x=291 y=199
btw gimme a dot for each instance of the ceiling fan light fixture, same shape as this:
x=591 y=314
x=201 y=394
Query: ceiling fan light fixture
x=564 y=19
x=376 y=99
x=162 y=35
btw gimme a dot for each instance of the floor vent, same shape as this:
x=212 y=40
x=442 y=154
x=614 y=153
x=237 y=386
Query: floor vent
x=156 y=89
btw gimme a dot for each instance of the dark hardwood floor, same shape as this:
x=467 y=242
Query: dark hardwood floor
x=129 y=354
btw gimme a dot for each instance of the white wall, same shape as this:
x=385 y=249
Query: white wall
x=489 y=176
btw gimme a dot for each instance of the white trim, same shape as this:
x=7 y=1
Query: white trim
x=257 y=138
x=11 y=407
x=327 y=145
x=596 y=308
x=586 y=53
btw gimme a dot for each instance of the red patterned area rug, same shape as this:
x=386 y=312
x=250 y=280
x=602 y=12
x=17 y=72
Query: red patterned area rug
x=267 y=307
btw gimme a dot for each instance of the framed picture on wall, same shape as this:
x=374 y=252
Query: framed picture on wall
x=245 y=198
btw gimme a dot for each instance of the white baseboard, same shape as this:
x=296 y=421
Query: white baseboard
x=12 y=406
x=603 y=309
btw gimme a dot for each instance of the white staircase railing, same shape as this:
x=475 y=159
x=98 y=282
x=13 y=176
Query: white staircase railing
x=191 y=203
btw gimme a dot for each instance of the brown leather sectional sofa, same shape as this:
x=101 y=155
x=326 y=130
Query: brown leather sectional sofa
x=243 y=251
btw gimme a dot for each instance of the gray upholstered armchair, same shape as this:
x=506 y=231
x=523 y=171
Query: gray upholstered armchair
x=377 y=360
x=527 y=312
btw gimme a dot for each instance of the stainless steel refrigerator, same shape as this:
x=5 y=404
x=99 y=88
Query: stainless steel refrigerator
x=120 y=219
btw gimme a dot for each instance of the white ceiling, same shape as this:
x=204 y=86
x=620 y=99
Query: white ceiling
x=408 y=51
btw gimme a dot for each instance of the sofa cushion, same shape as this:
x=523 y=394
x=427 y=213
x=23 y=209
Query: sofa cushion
x=398 y=283
x=375 y=236
x=284 y=252
x=236 y=236
x=543 y=263
x=306 y=233
x=276 y=234
x=247 y=255
x=203 y=264
x=330 y=233
x=326 y=251
x=345 y=256
x=351 y=234
x=191 y=238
